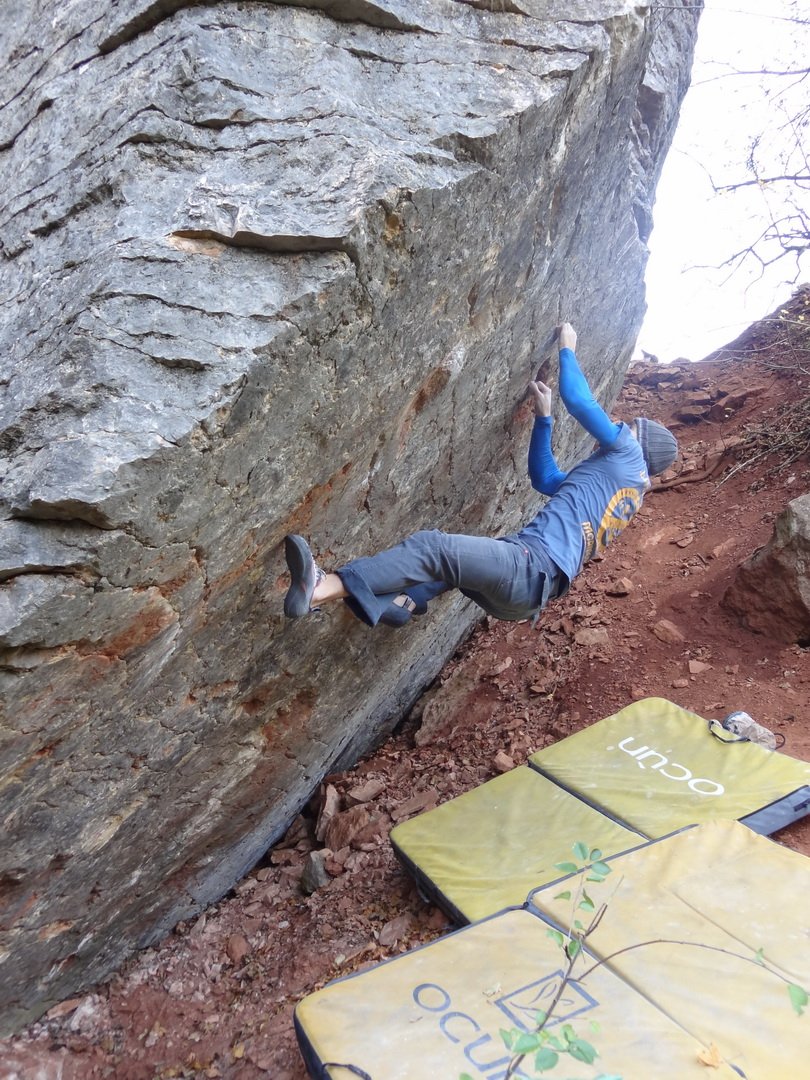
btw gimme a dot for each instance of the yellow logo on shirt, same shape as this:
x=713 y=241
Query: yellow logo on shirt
x=617 y=515
x=616 y=518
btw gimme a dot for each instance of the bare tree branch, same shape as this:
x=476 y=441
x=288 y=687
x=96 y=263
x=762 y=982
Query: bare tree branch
x=799 y=178
x=760 y=71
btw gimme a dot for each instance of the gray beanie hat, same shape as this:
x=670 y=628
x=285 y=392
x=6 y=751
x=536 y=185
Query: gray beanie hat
x=658 y=445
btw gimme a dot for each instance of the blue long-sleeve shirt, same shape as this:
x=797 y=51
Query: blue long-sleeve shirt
x=576 y=395
x=593 y=503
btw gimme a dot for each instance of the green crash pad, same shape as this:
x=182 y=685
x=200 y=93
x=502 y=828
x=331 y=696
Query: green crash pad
x=436 y=1013
x=720 y=885
x=657 y=767
x=645 y=772
x=487 y=849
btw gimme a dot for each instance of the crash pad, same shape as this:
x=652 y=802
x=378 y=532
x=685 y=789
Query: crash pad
x=485 y=850
x=657 y=767
x=724 y=914
x=437 y=1012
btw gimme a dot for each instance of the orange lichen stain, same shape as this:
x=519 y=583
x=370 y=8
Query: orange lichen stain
x=169 y=588
x=234 y=575
x=257 y=702
x=521 y=415
x=316 y=498
x=145 y=628
x=429 y=389
x=54 y=929
x=96 y=665
x=291 y=717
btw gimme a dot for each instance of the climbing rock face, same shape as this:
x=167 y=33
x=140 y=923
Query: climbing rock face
x=270 y=268
x=771 y=589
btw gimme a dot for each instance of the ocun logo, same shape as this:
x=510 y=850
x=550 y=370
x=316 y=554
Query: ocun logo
x=522 y=1006
x=670 y=769
x=484 y=1052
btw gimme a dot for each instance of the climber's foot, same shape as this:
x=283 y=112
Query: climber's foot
x=305 y=577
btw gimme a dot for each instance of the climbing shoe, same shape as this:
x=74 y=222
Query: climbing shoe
x=304 y=574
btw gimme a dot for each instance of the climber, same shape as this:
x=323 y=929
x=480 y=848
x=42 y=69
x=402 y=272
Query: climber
x=512 y=577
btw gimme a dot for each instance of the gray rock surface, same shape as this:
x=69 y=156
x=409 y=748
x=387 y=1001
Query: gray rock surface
x=771 y=589
x=269 y=268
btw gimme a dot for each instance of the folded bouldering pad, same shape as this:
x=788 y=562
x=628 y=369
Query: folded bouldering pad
x=656 y=767
x=436 y=1012
x=708 y=899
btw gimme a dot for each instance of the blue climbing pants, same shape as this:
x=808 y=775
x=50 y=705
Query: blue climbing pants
x=505 y=577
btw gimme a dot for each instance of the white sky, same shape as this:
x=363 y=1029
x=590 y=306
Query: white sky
x=693 y=311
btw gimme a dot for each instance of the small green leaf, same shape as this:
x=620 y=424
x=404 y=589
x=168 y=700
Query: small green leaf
x=540 y=1017
x=798 y=998
x=759 y=956
x=593 y=877
x=508 y=1038
x=595 y=1026
x=465 y=1076
x=600 y=868
x=581 y=1050
x=568 y=1033
x=573 y=949
x=586 y=904
x=595 y=854
x=545 y=1059
x=578 y=925
x=526 y=1044
x=566 y=867
x=556 y=1043
x=563 y=895
x=555 y=935
x=580 y=850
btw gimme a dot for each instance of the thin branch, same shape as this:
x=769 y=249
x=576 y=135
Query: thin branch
x=516 y=1061
x=793 y=241
x=597 y=918
x=694 y=944
x=762 y=71
x=799 y=178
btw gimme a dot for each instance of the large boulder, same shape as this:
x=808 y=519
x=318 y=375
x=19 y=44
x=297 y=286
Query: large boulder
x=270 y=268
x=771 y=589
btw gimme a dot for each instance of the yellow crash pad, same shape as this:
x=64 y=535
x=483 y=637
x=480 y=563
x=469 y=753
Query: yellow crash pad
x=721 y=885
x=657 y=768
x=487 y=849
x=436 y=1013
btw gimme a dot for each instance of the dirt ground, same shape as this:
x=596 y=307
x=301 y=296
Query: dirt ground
x=215 y=998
